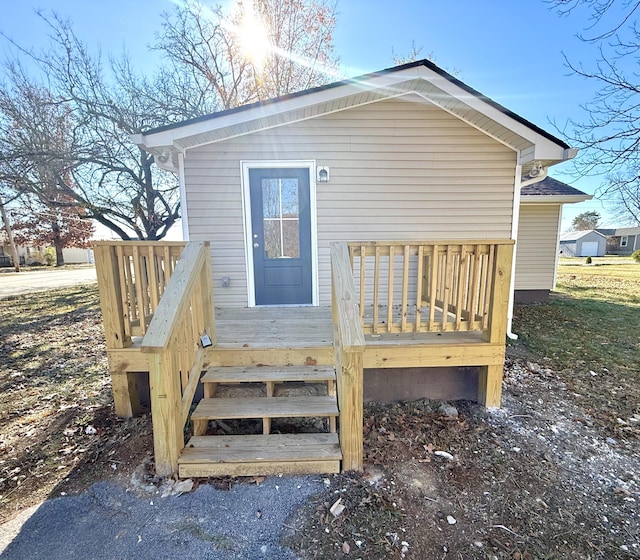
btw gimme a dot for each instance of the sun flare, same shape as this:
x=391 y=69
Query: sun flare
x=254 y=36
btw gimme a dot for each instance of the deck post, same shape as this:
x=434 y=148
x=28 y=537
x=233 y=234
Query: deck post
x=123 y=383
x=349 y=347
x=490 y=379
x=350 y=403
x=168 y=435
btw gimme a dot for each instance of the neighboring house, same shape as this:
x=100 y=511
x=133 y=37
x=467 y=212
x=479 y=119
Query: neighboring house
x=35 y=255
x=622 y=241
x=538 y=236
x=5 y=256
x=587 y=243
x=409 y=153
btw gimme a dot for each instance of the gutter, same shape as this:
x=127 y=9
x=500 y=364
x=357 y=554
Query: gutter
x=537 y=174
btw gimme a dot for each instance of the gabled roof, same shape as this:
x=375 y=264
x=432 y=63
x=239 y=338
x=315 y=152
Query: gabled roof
x=422 y=80
x=552 y=191
x=627 y=231
x=575 y=235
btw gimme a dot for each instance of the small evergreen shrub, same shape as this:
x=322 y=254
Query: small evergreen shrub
x=50 y=256
x=636 y=256
x=589 y=260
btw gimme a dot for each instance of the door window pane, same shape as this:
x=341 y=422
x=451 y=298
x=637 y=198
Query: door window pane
x=281 y=219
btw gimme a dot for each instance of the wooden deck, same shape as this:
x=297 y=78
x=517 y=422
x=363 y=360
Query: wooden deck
x=304 y=335
x=393 y=305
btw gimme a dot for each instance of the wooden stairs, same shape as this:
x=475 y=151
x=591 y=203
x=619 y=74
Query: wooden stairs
x=267 y=453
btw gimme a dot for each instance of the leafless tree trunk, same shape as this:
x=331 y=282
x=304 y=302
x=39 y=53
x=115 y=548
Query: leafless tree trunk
x=12 y=245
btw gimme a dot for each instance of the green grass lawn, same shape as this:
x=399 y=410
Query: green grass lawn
x=589 y=332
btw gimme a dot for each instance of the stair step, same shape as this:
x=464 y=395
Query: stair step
x=280 y=374
x=264 y=407
x=260 y=455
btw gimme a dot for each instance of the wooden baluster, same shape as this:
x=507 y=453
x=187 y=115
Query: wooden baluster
x=489 y=281
x=376 y=287
x=390 y=289
x=125 y=297
x=139 y=287
x=153 y=279
x=419 y=288
x=475 y=285
x=363 y=286
x=435 y=267
x=463 y=270
x=405 y=289
x=448 y=274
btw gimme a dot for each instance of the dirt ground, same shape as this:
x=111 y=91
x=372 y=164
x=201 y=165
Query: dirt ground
x=538 y=478
x=549 y=475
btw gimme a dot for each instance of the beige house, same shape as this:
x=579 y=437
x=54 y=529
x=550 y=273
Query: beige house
x=409 y=153
x=361 y=237
x=539 y=233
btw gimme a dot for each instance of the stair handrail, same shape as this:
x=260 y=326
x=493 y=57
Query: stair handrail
x=176 y=351
x=349 y=346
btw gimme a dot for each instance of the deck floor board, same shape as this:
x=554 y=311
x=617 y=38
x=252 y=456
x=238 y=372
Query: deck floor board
x=310 y=327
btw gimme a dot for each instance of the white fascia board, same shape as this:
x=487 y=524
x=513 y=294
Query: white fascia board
x=544 y=147
x=554 y=199
x=172 y=136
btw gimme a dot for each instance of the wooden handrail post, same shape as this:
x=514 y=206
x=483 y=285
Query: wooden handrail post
x=166 y=401
x=349 y=346
x=349 y=367
x=496 y=330
x=490 y=379
x=108 y=274
x=123 y=383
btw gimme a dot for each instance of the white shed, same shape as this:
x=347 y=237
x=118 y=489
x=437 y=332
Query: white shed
x=587 y=243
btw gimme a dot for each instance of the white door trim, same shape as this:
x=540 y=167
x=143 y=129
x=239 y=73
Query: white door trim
x=245 y=166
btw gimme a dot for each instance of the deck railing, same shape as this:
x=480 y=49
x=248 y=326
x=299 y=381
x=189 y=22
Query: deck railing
x=175 y=351
x=349 y=346
x=427 y=286
x=132 y=277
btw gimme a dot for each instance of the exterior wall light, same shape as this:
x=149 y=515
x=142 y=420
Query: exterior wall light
x=323 y=175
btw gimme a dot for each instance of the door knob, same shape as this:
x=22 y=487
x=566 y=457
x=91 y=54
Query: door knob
x=256 y=245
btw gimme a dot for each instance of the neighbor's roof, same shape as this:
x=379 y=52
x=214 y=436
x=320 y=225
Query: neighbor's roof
x=552 y=191
x=423 y=79
x=575 y=235
x=627 y=231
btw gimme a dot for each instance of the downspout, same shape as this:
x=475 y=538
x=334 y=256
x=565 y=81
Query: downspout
x=183 y=198
x=541 y=173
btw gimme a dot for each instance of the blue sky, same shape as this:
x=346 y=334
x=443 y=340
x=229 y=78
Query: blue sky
x=510 y=50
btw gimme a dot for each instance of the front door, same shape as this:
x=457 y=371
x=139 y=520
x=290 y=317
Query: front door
x=281 y=236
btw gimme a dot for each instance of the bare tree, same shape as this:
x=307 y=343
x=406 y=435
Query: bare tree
x=610 y=135
x=292 y=48
x=9 y=232
x=89 y=157
x=208 y=66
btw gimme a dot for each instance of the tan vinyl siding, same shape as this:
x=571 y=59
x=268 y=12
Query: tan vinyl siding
x=537 y=246
x=399 y=170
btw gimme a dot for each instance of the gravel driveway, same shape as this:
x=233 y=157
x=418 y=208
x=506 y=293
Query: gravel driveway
x=13 y=284
x=109 y=522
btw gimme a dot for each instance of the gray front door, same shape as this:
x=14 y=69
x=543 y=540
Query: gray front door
x=281 y=230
